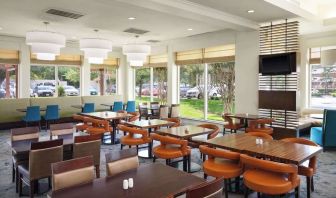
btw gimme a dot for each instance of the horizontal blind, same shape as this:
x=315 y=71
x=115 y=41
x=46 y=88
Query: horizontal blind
x=279 y=38
x=63 y=59
x=160 y=60
x=9 y=56
x=282 y=118
x=109 y=62
x=279 y=82
x=223 y=53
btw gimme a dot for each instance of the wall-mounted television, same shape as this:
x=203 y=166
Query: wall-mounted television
x=277 y=64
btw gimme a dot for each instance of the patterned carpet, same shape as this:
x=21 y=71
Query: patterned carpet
x=325 y=180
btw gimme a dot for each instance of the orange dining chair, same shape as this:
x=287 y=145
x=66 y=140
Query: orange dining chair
x=177 y=121
x=260 y=126
x=172 y=148
x=135 y=116
x=134 y=137
x=232 y=124
x=308 y=168
x=99 y=127
x=222 y=163
x=267 y=177
x=83 y=122
x=261 y=135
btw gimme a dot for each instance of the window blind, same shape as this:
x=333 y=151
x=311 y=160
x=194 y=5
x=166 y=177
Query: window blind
x=63 y=59
x=160 y=60
x=9 y=56
x=109 y=62
x=223 y=53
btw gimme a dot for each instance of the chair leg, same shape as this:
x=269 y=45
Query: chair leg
x=97 y=171
x=20 y=185
x=49 y=182
x=312 y=184
x=246 y=193
x=226 y=188
x=154 y=159
x=189 y=163
x=297 y=192
x=185 y=158
x=168 y=162
x=308 y=186
x=237 y=184
x=258 y=194
x=31 y=187
x=205 y=176
x=13 y=173
x=129 y=146
x=121 y=146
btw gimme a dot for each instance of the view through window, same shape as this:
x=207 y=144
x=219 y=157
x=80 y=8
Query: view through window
x=104 y=78
x=8 y=81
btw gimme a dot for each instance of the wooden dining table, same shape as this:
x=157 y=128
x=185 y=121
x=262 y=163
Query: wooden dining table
x=275 y=150
x=149 y=125
x=113 y=117
x=150 y=181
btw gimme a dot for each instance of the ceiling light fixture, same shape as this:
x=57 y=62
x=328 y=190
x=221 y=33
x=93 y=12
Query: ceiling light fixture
x=46 y=45
x=136 y=53
x=250 y=11
x=95 y=49
x=131 y=18
x=189 y=29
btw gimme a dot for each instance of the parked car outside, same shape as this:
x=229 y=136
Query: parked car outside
x=71 y=91
x=214 y=93
x=183 y=91
x=2 y=93
x=43 y=91
x=93 y=91
x=193 y=93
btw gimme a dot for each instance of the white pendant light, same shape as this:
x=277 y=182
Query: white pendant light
x=95 y=49
x=46 y=45
x=136 y=53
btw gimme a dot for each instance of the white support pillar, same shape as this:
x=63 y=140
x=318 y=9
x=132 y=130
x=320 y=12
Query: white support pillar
x=205 y=94
x=151 y=83
x=172 y=84
x=126 y=85
x=85 y=78
x=24 y=72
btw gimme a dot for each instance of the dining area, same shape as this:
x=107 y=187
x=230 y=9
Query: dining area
x=115 y=153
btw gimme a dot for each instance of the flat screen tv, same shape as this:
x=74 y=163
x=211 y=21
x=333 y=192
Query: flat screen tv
x=277 y=64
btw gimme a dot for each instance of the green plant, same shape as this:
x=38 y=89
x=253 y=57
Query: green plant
x=61 y=91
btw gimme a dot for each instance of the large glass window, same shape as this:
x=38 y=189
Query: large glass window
x=103 y=81
x=323 y=77
x=8 y=81
x=142 y=85
x=191 y=91
x=49 y=81
x=160 y=84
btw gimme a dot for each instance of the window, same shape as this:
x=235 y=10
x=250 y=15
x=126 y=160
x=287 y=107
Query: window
x=323 y=77
x=160 y=84
x=103 y=78
x=49 y=81
x=142 y=85
x=8 y=81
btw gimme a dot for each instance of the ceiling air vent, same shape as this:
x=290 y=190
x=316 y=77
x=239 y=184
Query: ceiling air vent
x=64 y=13
x=153 y=41
x=135 y=31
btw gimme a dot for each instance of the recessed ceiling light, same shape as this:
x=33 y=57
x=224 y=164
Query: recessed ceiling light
x=250 y=11
x=189 y=29
x=131 y=18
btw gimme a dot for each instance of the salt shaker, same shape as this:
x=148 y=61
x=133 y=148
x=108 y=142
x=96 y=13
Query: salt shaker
x=125 y=184
x=261 y=141
x=257 y=141
x=130 y=182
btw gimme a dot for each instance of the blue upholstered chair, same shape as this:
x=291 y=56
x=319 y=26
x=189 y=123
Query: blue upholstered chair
x=52 y=114
x=32 y=115
x=88 y=108
x=117 y=106
x=130 y=106
x=325 y=136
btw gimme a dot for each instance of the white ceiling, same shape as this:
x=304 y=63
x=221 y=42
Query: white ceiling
x=165 y=19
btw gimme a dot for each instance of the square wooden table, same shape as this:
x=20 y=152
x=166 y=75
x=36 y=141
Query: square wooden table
x=184 y=132
x=149 y=125
x=286 y=152
x=150 y=181
x=245 y=116
x=110 y=116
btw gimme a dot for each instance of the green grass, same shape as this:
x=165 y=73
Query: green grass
x=194 y=108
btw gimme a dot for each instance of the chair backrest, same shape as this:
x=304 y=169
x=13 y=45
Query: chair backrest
x=261 y=135
x=177 y=121
x=328 y=128
x=212 y=189
x=42 y=155
x=175 y=111
x=130 y=106
x=120 y=161
x=73 y=172
x=213 y=153
x=78 y=117
x=88 y=145
x=154 y=104
x=135 y=117
x=89 y=108
x=214 y=127
x=26 y=133
x=52 y=112
x=117 y=106
x=164 y=111
x=227 y=118
x=61 y=129
x=33 y=114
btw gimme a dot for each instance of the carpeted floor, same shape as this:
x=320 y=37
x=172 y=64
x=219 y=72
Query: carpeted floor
x=325 y=179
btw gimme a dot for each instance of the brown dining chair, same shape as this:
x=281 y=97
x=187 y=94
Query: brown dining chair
x=134 y=137
x=260 y=126
x=19 y=134
x=72 y=172
x=212 y=189
x=308 y=168
x=88 y=145
x=232 y=123
x=41 y=156
x=155 y=110
x=120 y=161
x=143 y=110
x=222 y=163
x=61 y=129
x=175 y=111
x=172 y=148
x=267 y=177
x=163 y=112
x=261 y=135
x=99 y=127
x=83 y=122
